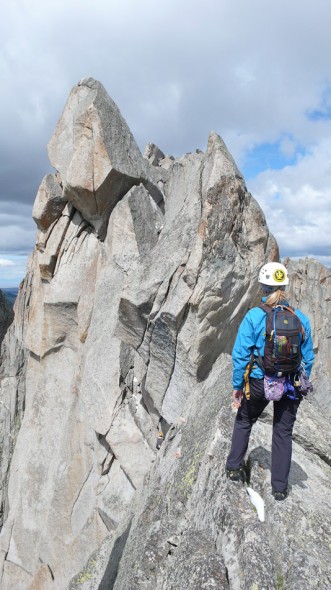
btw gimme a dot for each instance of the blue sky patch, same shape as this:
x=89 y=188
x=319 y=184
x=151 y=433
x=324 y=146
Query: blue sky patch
x=323 y=111
x=319 y=114
x=276 y=196
x=268 y=156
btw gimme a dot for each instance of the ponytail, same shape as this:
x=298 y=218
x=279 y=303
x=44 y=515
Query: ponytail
x=277 y=298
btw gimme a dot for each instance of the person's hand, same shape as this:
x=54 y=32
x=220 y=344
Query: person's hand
x=237 y=396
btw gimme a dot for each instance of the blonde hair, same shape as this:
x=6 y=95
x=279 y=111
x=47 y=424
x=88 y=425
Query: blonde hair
x=277 y=298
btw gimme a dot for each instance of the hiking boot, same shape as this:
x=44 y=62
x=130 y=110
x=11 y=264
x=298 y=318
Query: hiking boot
x=280 y=496
x=236 y=474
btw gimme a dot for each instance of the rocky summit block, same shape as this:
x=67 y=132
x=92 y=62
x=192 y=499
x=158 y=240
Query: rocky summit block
x=96 y=155
x=142 y=271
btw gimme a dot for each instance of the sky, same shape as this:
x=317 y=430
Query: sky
x=258 y=73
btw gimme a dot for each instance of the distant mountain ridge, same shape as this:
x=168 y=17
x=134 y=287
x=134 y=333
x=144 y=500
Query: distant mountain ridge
x=10 y=294
x=6 y=315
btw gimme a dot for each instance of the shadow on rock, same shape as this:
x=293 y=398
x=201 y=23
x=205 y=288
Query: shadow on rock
x=262 y=458
x=110 y=575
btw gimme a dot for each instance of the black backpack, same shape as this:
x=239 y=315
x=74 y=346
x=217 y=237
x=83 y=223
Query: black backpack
x=284 y=335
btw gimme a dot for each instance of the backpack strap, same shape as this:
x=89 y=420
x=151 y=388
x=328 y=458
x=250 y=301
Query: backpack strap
x=268 y=308
x=265 y=307
x=259 y=359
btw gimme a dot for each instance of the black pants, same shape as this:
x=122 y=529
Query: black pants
x=284 y=417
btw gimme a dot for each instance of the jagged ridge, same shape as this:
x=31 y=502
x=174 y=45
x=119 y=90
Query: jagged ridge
x=139 y=279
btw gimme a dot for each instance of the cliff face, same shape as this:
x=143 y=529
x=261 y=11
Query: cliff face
x=310 y=290
x=11 y=361
x=142 y=270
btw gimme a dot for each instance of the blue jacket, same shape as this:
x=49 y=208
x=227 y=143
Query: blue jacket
x=251 y=336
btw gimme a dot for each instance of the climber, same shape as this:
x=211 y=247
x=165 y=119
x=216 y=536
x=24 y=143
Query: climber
x=248 y=356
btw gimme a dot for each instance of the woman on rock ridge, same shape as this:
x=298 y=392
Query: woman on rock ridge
x=260 y=384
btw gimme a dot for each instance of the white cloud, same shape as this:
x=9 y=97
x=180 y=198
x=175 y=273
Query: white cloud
x=6 y=262
x=297 y=203
x=236 y=66
x=288 y=147
x=17 y=229
x=13 y=271
x=252 y=71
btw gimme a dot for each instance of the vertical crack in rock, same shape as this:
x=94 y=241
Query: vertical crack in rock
x=48 y=252
x=128 y=478
x=80 y=491
x=83 y=229
x=109 y=458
